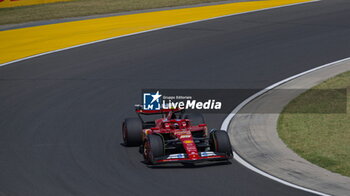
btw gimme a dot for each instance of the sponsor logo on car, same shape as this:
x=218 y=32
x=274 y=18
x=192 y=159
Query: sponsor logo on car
x=176 y=156
x=180 y=156
x=207 y=154
x=183 y=132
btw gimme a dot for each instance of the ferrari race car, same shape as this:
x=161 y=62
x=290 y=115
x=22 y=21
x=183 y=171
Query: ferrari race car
x=175 y=136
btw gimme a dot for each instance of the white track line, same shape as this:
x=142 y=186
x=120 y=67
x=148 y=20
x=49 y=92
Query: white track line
x=226 y=123
x=102 y=40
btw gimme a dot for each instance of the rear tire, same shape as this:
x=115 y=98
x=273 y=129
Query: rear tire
x=153 y=148
x=195 y=118
x=132 y=132
x=220 y=142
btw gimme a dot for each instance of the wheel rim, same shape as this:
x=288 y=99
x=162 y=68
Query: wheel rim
x=124 y=134
x=147 y=151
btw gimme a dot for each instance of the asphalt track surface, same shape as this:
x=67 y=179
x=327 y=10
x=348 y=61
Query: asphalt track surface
x=61 y=113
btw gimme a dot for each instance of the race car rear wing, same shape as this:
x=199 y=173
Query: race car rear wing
x=166 y=113
x=139 y=109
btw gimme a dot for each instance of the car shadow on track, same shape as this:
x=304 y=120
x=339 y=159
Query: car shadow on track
x=187 y=166
x=184 y=165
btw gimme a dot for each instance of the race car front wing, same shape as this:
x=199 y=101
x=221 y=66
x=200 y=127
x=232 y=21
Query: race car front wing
x=183 y=158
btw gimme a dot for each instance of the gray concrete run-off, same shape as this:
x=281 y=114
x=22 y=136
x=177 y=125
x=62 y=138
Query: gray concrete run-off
x=254 y=136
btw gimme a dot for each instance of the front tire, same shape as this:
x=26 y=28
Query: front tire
x=153 y=148
x=220 y=142
x=132 y=132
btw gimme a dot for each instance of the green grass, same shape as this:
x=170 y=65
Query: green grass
x=84 y=8
x=320 y=137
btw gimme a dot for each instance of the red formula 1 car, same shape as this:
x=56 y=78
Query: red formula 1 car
x=175 y=137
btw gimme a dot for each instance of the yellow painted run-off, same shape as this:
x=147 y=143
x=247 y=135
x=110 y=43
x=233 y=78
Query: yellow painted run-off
x=17 y=3
x=20 y=43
